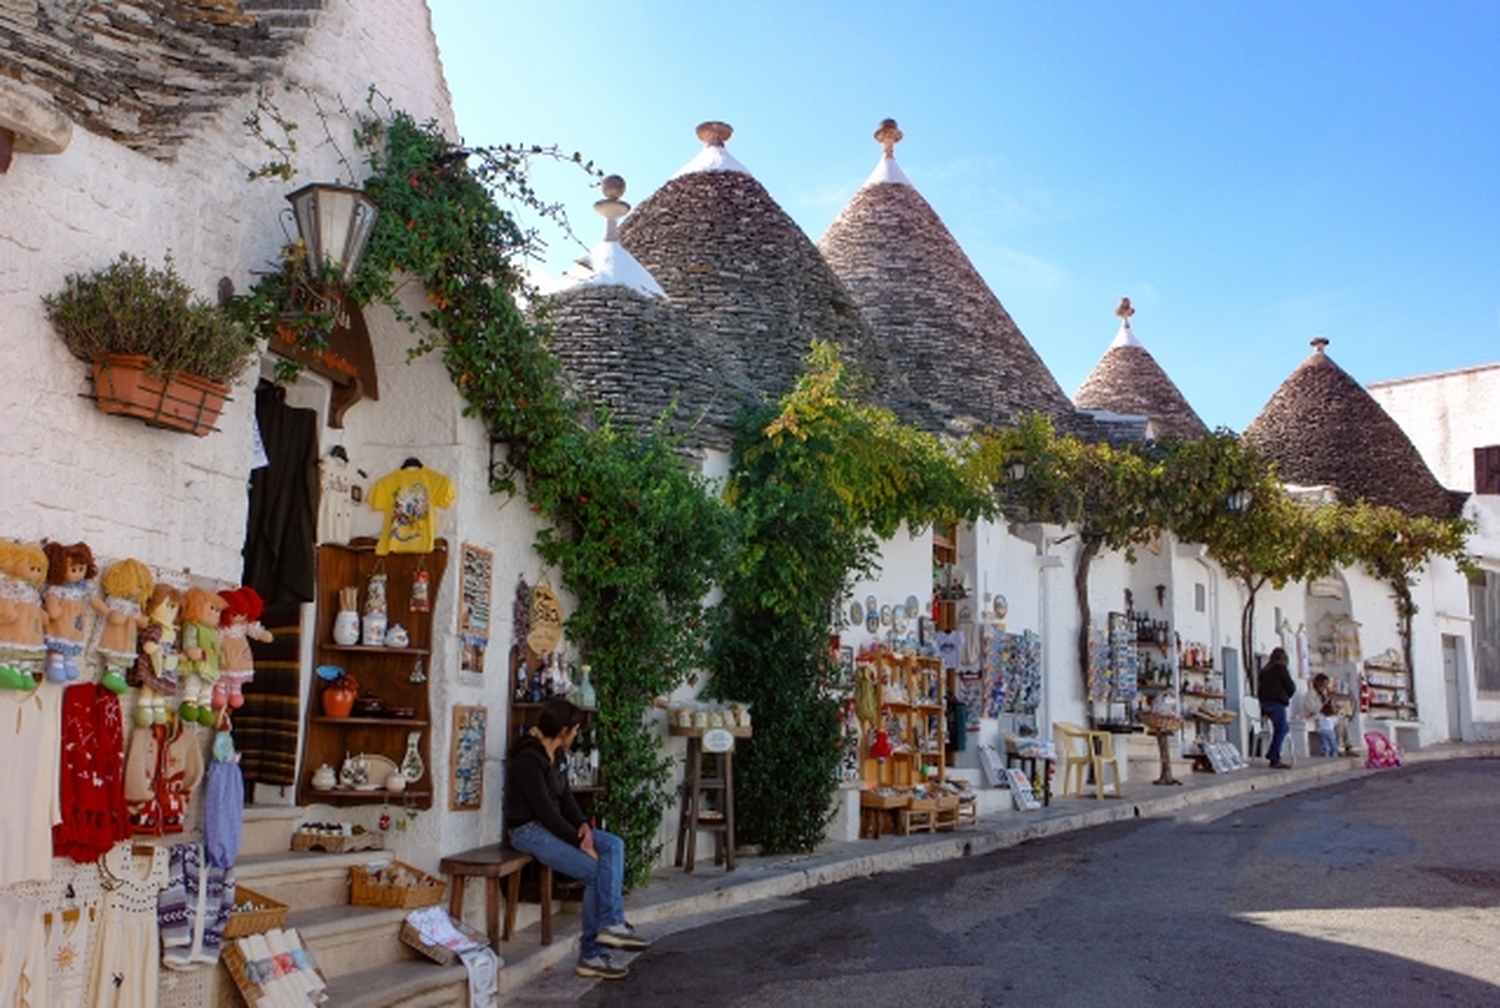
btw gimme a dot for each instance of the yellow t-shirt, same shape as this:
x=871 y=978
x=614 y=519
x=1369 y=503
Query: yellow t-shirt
x=408 y=497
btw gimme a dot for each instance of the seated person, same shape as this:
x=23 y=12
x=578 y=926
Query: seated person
x=544 y=820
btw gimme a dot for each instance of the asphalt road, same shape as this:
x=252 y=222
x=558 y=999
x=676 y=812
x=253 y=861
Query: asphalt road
x=1382 y=890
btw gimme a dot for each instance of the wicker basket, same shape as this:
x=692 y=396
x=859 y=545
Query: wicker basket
x=253 y=993
x=262 y=917
x=1161 y=724
x=366 y=890
x=303 y=840
x=439 y=954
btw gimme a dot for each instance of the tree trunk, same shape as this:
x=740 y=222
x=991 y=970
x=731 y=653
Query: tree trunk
x=1405 y=610
x=1091 y=547
x=1247 y=633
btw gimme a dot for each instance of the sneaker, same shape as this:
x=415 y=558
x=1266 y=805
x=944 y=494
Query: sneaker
x=601 y=966
x=623 y=937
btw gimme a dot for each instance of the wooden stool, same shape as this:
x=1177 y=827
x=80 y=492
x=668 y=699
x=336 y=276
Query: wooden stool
x=493 y=863
x=693 y=818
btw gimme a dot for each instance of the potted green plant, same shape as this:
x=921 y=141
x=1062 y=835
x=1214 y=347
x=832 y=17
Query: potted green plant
x=159 y=352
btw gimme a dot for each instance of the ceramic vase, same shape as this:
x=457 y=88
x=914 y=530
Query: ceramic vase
x=412 y=767
x=346 y=628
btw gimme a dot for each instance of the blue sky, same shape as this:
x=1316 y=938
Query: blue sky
x=1251 y=175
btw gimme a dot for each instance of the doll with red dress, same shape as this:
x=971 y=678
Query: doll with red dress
x=67 y=600
x=23 y=570
x=239 y=624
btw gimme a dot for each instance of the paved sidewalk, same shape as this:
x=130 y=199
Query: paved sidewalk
x=674 y=896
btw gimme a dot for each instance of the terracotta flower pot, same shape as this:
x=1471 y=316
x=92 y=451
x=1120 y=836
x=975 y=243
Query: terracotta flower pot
x=183 y=402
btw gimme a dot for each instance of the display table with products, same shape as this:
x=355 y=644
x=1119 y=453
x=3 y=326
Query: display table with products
x=707 y=802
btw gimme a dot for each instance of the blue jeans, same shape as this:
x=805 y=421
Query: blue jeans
x=602 y=879
x=1330 y=742
x=1277 y=713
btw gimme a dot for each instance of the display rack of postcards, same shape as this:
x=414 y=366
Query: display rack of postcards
x=1114 y=671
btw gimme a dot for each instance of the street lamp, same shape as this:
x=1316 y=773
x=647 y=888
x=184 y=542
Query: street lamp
x=1015 y=469
x=334 y=223
x=1239 y=501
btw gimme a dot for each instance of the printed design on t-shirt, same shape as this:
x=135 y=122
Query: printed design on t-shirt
x=409 y=512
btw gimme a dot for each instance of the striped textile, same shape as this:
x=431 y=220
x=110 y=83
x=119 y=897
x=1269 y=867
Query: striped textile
x=265 y=728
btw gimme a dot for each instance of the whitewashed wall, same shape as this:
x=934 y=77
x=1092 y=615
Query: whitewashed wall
x=68 y=471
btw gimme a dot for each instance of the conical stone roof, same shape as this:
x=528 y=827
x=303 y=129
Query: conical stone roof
x=1127 y=380
x=963 y=356
x=1322 y=428
x=624 y=347
x=751 y=288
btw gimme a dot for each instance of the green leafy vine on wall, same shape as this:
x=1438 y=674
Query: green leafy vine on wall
x=633 y=531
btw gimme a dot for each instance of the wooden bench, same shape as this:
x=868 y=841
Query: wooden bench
x=493 y=863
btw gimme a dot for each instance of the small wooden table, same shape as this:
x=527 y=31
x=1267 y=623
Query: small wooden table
x=692 y=818
x=1163 y=727
x=493 y=863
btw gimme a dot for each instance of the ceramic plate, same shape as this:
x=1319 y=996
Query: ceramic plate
x=856 y=613
x=913 y=607
x=1001 y=608
x=379 y=768
x=885 y=615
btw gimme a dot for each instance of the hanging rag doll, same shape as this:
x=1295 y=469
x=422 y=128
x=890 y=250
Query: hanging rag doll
x=69 y=596
x=23 y=569
x=126 y=585
x=239 y=624
x=155 y=668
x=198 y=668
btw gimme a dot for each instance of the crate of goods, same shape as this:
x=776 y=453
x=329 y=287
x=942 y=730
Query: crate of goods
x=440 y=937
x=394 y=884
x=274 y=969
x=253 y=914
x=334 y=840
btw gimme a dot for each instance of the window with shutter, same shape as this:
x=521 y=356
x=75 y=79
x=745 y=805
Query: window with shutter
x=1487 y=470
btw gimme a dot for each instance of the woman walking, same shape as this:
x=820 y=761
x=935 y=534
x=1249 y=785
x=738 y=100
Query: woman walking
x=1274 y=691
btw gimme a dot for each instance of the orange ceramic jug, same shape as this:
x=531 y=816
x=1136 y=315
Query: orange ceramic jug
x=338 y=699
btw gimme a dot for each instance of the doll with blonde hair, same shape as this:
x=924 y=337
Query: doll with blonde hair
x=23 y=570
x=69 y=596
x=126 y=585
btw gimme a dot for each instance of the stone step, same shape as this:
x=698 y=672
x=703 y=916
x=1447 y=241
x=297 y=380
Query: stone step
x=303 y=880
x=410 y=983
x=268 y=829
x=348 y=939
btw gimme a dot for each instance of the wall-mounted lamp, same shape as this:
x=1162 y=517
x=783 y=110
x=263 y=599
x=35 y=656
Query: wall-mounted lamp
x=334 y=223
x=1015 y=469
x=1239 y=501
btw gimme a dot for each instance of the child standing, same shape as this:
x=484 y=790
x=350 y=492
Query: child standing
x=1327 y=720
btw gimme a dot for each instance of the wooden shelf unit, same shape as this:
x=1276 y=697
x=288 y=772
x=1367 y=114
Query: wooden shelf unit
x=1391 y=696
x=916 y=726
x=385 y=672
